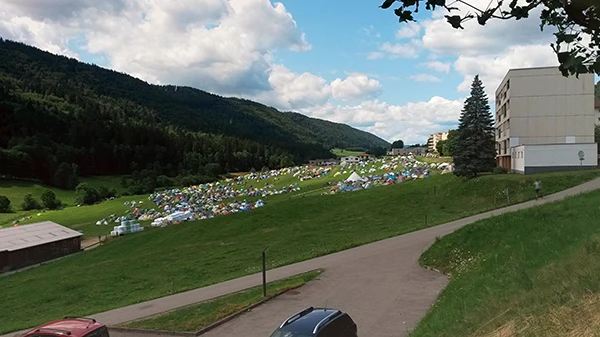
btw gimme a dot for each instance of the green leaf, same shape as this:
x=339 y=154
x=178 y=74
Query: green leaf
x=404 y=15
x=520 y=12
x=387 y=4
x=455 y=21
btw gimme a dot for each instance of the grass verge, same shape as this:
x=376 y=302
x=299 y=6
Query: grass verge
x=534 y=272
x=344 y=153
x=156 y=263
x=199 y=316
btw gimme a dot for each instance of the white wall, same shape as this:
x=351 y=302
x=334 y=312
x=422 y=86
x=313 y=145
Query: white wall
x=560 y=155
x=518 y=158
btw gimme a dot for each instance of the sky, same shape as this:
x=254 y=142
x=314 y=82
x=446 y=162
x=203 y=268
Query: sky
x=345 y=61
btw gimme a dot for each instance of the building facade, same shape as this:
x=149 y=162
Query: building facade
x=434 y=139
x=324 y=162
x=350 y=160
x=417 y=151
x=545 y=121
x=25 y=245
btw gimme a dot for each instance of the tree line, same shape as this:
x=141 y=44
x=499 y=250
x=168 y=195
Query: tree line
x=60 y=119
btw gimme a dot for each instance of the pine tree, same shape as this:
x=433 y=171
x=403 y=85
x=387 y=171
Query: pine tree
x=474 y=146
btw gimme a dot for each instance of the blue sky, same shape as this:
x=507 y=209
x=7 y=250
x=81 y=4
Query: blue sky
x=343 y=34
x=344 y=61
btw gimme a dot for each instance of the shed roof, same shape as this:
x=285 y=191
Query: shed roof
x=25 y=236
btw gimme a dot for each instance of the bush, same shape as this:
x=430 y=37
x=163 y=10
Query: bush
x=137 y=189
x=49 y=200
x=4 y=204
x=86 y=194
x=30 y=203
x=190 y=180
x=499 y=170
x=164 y=181
x=106 y=193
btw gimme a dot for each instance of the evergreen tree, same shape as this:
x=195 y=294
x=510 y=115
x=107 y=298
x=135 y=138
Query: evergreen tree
x=474 y=146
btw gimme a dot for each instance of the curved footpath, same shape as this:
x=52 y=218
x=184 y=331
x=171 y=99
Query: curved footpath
x=379 y=284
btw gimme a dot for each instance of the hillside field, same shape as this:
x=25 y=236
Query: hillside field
x=534 y=272
x=16 y=190
x=84 y=218
x=339 y=153
x=153 y=263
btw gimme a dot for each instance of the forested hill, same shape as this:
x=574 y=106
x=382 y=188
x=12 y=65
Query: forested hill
x=55 y=109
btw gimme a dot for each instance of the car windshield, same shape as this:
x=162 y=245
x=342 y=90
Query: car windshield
x=279 y=333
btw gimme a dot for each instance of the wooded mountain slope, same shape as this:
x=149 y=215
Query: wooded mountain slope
x=55 y=109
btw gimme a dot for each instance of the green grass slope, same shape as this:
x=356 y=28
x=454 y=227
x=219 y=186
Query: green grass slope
x=531 y=273
x=151 y=264
x=344 y=153
x=16 y=190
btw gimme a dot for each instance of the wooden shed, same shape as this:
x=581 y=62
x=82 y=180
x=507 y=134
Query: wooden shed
x=24 y=245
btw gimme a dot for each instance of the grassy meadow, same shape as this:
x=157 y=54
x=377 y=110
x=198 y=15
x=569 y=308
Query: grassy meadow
x=534 y=272
x=151 y=264
x=344 y=153
x=16 y=190
x=199 y=316
x=84 y=217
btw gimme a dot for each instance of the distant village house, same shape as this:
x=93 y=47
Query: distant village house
x=350 y=160
x=416 y=151
x=323 y=162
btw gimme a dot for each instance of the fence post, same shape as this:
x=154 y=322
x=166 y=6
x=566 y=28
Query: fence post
x=264 y=271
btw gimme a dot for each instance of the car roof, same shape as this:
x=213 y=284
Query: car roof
x=306 y=323
x=68 y=327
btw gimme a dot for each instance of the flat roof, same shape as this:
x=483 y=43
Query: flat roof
x=35 y=234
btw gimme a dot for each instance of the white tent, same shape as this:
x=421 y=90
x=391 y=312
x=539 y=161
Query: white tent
x=354 y=177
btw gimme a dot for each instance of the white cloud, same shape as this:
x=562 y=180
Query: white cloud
x=406 y=50
x=408 y=30
x=375 y=55
x=292 y=91
x=355 y=87
x=492 y=69
x=412 y=122
x=489 y=50
x=443 y=67
x=425 y=78
x=475 y=39
x=215 y=45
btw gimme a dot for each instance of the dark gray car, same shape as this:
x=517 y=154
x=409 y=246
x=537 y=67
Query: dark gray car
x=317 y=322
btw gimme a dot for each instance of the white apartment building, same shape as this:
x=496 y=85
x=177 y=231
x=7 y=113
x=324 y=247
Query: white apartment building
x=434 y=139
x=545 y=121
x=350 y=160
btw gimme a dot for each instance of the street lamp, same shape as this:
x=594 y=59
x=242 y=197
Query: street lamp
x=264 y=270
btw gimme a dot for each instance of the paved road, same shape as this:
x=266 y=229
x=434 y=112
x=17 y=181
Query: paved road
x=380 y=284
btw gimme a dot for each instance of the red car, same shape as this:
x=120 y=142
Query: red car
x=71 y=327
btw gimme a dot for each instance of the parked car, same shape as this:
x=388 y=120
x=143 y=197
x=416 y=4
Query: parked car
x=317 y=322
x=71 y=327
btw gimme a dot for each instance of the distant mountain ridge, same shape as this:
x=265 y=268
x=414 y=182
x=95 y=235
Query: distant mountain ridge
x=107 y=122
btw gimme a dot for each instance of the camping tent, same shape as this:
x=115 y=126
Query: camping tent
x=354 y=177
